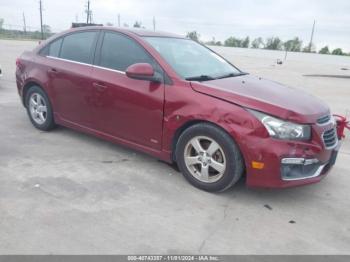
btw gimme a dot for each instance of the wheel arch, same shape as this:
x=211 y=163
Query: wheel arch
x=30 y=84
x=26 y=87
x=193 y=122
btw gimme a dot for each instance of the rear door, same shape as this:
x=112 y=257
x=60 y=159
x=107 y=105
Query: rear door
x=126 y=108
x=70 y=79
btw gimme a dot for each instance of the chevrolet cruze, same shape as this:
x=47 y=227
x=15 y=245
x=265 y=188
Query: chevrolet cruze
x=179 y=101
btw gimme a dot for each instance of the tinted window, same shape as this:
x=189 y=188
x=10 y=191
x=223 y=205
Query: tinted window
x=54 y=48
x=79 y=47
x=118 y=52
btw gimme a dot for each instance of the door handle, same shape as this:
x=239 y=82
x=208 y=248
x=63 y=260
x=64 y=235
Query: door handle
x=53 y=71
x=99 y=86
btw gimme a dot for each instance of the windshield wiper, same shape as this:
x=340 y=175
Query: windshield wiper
x=200 y=78
x=231 y=75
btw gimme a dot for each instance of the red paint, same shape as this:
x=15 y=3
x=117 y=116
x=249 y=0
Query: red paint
x=140 y=70
x=148 y=116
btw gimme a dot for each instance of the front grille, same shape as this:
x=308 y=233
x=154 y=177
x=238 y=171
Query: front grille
x=330 y=138
x=324 y=119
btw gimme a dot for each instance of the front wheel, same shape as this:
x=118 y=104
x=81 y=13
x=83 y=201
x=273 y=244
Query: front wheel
x=209 y=158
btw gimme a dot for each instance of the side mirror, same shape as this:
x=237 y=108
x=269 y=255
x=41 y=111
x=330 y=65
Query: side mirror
x=142 y=71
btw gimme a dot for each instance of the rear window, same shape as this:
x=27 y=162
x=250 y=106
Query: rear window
x=79 y=47
x=54 y=48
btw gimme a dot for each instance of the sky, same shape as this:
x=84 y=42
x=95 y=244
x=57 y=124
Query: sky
x=211 y=18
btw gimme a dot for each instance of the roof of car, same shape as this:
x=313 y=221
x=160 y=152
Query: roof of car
x=136 y=31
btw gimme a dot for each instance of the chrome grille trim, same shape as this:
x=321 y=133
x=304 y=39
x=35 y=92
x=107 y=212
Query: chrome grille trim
x=330 y=138
x=324 y=120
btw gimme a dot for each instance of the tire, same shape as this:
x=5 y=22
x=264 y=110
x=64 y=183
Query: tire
x=39 y=109
x=211 y=169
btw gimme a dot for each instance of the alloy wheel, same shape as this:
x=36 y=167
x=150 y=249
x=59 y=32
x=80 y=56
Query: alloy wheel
x=38 y=108
x=205 y=159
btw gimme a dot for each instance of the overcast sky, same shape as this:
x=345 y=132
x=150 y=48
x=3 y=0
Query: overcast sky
x=211 y=18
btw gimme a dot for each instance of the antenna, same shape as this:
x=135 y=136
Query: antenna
x=119 y=20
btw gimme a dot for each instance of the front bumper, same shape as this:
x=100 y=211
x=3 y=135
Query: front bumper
x=294 y=169
x=286 y=163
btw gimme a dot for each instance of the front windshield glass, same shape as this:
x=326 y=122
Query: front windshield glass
x=191 y=60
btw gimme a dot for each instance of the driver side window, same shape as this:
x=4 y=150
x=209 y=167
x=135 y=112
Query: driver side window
x=118 y=52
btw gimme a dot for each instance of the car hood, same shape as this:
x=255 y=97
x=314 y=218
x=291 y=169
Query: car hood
x=265 y=96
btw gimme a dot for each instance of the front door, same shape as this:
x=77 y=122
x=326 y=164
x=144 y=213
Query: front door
x=126 y=108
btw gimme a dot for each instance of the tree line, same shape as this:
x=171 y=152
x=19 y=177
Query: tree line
x=23 y=33
x=270 y=43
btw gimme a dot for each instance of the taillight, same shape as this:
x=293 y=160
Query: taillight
x=19 y=64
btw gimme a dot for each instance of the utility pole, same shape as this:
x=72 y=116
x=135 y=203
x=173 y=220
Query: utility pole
x=91 y=17
x=118 y=20
x=312 y=35
x=88 y=12
x=24 y=24
x=154 y=23
x=41 y=20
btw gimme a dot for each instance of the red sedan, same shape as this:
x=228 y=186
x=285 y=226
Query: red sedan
x=179 y=101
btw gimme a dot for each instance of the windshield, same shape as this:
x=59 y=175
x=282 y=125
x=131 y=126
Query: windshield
x=191 y=60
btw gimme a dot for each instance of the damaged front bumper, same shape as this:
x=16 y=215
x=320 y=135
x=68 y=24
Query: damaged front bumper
x=293 y=169
x=287 y=163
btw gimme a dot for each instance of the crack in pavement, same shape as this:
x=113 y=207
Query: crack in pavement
x=216 y=228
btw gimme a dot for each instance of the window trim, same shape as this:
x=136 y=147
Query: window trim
x=97 y=52
x=81 y=63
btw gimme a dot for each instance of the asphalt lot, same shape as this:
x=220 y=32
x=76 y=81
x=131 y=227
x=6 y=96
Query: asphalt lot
x=64 y=192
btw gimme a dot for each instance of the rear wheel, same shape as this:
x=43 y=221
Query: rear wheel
x=209 y=158
x=39 y=109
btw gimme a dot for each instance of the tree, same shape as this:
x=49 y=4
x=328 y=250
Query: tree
x=324 y=50
x=337 y=51
x=213 y=42
x=193 y=35
x=46 y=29
x=137 y=24
x=1 y=23
x=273 y=43
x=258 y=42
x=233 y=42
x=307 y=49
x=293 y=45
x=245 y=42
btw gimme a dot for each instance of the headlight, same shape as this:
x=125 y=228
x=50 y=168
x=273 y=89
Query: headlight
x=280 y=129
